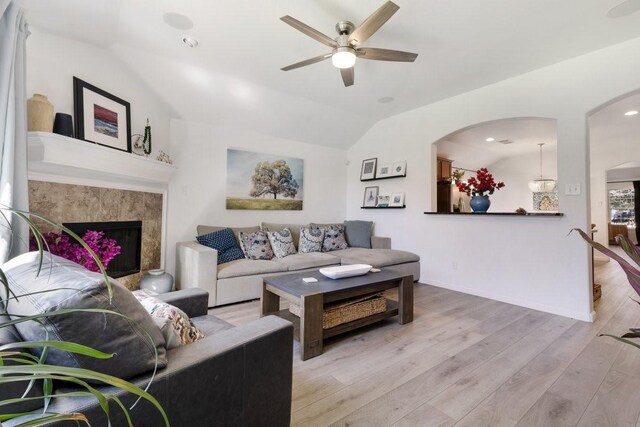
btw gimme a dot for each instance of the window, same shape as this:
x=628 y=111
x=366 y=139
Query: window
x=621 y=207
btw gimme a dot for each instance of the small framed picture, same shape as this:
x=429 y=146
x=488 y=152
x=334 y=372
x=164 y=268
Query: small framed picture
x=383 y=200
x=397 y=199
x=370 y=197
x=101 y=117
x=384 y=171
x=399 y=169
x=368 y=169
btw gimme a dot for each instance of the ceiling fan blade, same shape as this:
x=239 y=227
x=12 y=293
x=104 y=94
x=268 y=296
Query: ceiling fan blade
x=385 y=54
x=347 y=76
x=306 y=62
x=373 y=23
x=311 y=32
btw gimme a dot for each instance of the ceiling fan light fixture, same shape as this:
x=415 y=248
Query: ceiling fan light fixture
x=343 y=57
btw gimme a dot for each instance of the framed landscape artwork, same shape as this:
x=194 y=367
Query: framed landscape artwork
x=368 y=170
x=257 y=181
x=370 y=197
x=101 y=117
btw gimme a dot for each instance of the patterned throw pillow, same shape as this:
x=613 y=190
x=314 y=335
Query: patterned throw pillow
x=281 y=243
x=256 y=245
x=175 y=325
x=224 y=242
x=334 y=239
x=311 y=239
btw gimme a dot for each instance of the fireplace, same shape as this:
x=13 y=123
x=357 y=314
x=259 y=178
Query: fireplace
x=127 y=234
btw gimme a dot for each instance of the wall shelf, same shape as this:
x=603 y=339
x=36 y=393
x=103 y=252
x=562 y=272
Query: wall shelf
x=383 y=207
x=529 y=214
x=384 y=177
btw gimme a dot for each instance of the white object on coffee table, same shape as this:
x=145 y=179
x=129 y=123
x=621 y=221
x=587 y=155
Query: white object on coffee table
x=309 y=279
x=343 y=271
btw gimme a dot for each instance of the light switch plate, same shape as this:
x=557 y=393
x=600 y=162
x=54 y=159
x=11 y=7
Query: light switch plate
x=572 y=189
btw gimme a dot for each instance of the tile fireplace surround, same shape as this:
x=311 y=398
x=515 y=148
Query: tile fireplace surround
x=79 y=203
x=76 y=181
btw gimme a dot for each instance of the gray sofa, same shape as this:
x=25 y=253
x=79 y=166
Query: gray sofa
x=241 y=280
x=236 y=376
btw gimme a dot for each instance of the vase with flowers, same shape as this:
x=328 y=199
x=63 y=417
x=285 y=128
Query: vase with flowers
x=479 y=187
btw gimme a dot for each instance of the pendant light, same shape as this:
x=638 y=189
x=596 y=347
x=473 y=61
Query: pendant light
x=542 y=185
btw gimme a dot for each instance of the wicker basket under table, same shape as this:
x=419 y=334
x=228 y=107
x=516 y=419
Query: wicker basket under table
x=349 y=310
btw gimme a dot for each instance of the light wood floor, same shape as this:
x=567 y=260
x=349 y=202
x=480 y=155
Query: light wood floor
x=470 y=361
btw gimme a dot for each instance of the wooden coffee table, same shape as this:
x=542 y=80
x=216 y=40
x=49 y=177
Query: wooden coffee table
x=312 y=297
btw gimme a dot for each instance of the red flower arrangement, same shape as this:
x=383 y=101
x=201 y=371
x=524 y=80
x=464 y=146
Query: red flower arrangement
x=480 y=184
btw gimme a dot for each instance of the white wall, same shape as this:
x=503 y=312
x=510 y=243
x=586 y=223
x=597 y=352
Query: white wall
x=197 y=191
x=523 y=260
x=516 y=172
x=53 y=61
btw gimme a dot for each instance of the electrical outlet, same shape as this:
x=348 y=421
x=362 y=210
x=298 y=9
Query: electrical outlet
x=572 y=189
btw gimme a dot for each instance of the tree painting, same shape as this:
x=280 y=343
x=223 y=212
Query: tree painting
x=272 y=179
x=263 y=181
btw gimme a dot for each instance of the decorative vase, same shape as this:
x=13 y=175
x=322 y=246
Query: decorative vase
x=39 y=114
x=480 y=203
x=63 y=124
x=158 y=281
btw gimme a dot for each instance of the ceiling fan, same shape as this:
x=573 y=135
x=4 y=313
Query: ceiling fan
x=346 y=47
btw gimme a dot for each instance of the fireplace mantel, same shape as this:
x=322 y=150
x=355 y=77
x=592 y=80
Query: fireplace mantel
x=56 y=156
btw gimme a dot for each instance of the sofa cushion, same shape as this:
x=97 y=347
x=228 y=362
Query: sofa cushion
x=281 y=243
x=375 y=257
x=358 y=233
x=133 y=340
x=294 y=228
x=176 y=327
x=309 y=260
x=311 y=239
x=205 y=229
x=333 y=238
x=247 y=267
x=210 y=325
x=256 y=245
x=224 y=242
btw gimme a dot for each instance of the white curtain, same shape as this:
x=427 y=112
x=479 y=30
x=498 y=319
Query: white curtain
x=13 y=126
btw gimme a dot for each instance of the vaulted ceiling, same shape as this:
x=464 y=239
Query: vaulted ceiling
x=233 y=77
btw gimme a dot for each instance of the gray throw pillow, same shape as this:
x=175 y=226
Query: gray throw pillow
x=134 y=341
x=358 y=233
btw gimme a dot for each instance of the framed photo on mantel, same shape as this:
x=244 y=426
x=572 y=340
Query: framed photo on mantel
x=370 y=197
x=101 y=118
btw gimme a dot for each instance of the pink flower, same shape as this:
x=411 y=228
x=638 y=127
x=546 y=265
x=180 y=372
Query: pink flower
x=59 y=244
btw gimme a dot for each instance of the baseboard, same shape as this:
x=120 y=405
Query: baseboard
x=586 y=317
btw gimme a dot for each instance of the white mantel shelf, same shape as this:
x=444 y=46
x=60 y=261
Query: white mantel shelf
x=51 y=155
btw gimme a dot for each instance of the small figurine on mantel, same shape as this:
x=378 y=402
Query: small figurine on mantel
x=164 y=157
x=146 y=141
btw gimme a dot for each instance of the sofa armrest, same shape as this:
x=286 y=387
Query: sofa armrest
x=197 y=267
x=240 y=376
x=380 y=242
x=193 y=301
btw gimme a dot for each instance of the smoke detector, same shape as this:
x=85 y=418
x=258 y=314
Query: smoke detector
x=505 y=141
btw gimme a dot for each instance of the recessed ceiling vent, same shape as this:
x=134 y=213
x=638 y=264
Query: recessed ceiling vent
x=505 y=141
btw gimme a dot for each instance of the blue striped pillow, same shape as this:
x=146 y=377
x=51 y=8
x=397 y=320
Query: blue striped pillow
x=224 y=242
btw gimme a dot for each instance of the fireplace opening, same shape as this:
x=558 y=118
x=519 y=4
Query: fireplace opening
x=127 y=234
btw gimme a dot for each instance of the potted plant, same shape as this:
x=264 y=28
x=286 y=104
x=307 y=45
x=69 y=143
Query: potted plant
x=18 y=365
x=479 y=187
